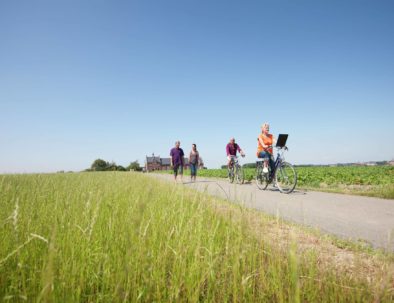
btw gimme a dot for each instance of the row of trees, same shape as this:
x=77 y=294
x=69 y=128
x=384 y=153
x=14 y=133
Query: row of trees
x=102 y=165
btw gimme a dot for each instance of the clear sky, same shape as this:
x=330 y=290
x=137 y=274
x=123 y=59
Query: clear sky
x=119 y=80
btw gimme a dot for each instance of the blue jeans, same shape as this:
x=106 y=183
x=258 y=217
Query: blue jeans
x=193 y=169
x=264 y=154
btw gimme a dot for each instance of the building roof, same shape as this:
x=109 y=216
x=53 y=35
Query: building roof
x=153 y=159
x=165 y=161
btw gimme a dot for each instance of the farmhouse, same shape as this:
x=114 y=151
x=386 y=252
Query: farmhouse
x=156 y=163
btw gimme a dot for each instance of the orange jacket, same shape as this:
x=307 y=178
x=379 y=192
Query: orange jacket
x=267 y=141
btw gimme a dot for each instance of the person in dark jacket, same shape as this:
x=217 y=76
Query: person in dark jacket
x=231 y=150
x=177 y=160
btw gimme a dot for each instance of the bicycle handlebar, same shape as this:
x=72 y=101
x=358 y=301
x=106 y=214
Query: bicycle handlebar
x=278 y=147
x=235 y=157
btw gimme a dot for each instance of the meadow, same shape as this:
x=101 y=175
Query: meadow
x=126 y=237
x=376 y=181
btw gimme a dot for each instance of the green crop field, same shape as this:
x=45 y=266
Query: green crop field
x=375 y=181
x=125 y=237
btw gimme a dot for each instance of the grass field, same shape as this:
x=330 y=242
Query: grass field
x=376 y=181
x=124 y=237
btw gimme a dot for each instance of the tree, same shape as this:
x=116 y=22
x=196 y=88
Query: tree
x=99 y=165
x=249 y=165
x=112 y=166
x=134 y=166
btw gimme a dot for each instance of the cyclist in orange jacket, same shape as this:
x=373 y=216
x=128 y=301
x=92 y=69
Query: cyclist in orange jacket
x=264 y=145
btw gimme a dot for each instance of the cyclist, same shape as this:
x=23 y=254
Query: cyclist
x=231 y=150
x=264 y=146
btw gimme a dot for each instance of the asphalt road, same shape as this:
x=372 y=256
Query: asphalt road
x=349 y=217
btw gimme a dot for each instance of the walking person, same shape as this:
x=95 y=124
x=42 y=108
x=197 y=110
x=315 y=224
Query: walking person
x=194 y=159
x=177 y=160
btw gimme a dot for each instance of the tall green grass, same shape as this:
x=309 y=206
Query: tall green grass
x=124 y=237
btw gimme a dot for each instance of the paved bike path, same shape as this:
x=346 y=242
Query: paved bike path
x=350 y=217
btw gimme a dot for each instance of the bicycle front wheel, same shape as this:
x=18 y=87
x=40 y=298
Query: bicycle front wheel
x=230 y=174
x=261 y=178
x=240 y=174
x=286 y=177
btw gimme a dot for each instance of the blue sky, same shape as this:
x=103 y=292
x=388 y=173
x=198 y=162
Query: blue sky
x=119 y=80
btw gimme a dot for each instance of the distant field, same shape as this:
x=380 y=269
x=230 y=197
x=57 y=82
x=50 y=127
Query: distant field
x=377 y=181
x=124 y=237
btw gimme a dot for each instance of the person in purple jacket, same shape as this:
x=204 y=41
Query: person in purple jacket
x=231 y=150
x=177 y=160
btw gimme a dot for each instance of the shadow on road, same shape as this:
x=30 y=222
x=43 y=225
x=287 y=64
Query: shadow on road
x=298 y=192
x=198 y=181
x=295 y=192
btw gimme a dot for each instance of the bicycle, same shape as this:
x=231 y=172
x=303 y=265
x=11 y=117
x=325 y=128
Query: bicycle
x=235 y=171
x=284 y=174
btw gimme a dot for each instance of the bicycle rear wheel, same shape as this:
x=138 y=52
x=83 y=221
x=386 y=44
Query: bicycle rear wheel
x=261 y=178
x=286 y=177
x=230 y=174
x=240 y=174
